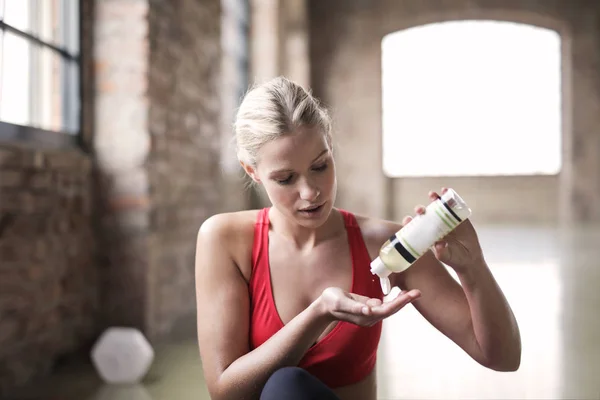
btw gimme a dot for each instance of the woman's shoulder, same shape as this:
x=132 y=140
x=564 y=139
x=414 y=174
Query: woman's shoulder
x=234 y=233
x=230 y=223
x=375 y=231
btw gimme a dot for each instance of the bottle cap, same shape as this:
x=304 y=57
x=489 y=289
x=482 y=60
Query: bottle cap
x=379 y=268
x=458 y=205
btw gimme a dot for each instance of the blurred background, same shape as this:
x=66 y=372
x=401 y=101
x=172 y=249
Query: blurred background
x=115 y=145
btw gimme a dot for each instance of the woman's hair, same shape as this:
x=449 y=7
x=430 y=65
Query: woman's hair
x=273 y=109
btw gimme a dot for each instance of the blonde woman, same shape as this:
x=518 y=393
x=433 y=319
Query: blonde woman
x=287 y=307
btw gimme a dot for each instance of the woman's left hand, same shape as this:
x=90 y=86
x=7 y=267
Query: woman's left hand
x=460 y=249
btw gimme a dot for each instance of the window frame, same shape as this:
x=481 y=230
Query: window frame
x=15 y=134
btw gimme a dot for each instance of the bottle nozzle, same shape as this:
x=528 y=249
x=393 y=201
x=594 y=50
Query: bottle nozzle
x=386 y=286
x=380 y=269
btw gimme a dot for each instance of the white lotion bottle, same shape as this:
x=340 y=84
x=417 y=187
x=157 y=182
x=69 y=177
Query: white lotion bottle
x=414 y=239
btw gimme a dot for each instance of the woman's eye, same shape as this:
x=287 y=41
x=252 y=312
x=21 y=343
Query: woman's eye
x=289 y=179
x=322 y=167
x=284 y=181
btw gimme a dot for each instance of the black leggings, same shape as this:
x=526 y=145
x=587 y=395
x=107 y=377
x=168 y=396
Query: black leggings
x=293 y=383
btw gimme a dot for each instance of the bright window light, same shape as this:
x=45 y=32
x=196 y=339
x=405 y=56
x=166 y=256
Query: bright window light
x=471 y=98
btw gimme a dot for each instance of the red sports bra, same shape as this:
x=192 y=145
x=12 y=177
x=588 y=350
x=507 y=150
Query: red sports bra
x=345 y=355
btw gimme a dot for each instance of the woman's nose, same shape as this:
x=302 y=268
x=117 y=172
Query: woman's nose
x=309 y=192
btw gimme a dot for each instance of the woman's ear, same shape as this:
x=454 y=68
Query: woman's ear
x=250 y=171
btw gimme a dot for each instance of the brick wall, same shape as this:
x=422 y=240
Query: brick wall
x=184 y=164
x=48 y=275
x=346 y=73
x=49 y=282
x=90 y=242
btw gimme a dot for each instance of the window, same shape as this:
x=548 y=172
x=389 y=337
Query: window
x=39 y=66
x=471 y=98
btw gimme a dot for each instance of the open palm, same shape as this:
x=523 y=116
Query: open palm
x=362 y=310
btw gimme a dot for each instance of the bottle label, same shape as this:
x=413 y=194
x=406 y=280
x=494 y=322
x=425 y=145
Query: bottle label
x=402 y=250
x=425 y=229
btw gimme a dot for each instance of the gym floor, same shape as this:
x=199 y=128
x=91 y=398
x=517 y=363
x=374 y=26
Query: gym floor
x=550 y=277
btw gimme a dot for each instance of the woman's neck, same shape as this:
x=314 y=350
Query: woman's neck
x=302 y=237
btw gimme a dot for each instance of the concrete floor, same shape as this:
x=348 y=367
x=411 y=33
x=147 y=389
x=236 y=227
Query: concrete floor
x=551 y=278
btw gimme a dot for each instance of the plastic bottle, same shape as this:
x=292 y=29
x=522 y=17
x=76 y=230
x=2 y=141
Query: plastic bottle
x=414 y=239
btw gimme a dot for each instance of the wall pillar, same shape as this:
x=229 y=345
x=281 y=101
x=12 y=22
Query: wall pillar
x=279 y=47
x=121 y=144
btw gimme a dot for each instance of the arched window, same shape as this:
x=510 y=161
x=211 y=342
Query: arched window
x=471 y=98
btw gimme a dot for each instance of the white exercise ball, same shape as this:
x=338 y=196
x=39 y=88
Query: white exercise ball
x=122 y=355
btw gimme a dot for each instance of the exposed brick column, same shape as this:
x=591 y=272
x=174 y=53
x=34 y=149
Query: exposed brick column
x=279 y=46
x=265 y=59
x=265 y=43
x=184 y=166
x=121 y=143
x=280 y=40
x=580 y=184
x=294 y=48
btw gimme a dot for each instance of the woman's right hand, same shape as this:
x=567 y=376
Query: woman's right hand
x=361 y=310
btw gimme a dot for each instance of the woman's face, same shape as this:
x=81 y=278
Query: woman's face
x=298 y=174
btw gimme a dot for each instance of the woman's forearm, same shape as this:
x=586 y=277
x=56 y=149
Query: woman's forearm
x=494 y=323
x=246 y=376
